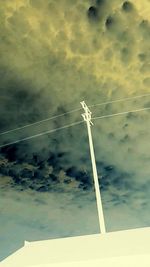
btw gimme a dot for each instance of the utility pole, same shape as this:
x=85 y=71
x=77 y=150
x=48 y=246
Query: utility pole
x=87 y=117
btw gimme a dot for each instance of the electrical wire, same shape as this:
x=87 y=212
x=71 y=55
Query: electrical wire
x=40 y=134
x=38 y=122
x=119 y=100
x=72 y=111
x=121 y=113
x=76 y=123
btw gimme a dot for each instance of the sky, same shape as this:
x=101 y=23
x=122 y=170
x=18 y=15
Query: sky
x=55 y=54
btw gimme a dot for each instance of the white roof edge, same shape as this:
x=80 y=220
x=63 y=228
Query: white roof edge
x=73 y=249
x=91 y=235
x=26 y=243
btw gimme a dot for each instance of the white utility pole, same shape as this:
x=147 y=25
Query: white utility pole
x=87 y=118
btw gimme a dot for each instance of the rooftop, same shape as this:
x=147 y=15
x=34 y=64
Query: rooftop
x=129 y=246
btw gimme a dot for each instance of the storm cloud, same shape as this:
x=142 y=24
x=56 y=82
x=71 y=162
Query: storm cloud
x=55 y=54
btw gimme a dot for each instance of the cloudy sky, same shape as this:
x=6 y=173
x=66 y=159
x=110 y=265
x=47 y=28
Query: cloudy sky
x=54 y=54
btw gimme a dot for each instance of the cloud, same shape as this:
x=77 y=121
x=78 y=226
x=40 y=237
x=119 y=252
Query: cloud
x=56 y=54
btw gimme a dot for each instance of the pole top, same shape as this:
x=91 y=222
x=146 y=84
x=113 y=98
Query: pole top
x=87 y=115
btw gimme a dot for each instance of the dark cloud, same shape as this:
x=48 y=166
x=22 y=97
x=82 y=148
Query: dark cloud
x=53 y=57
x=92 y=13
x=100 y=2
x=144 y=27
x=127 y=6
x=109 y=22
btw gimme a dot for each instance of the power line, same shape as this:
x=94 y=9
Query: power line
x=38 y=122
x=40 y=134
x=119 y=100
x=72 y=111
x=76 y=123
x=120 y=113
